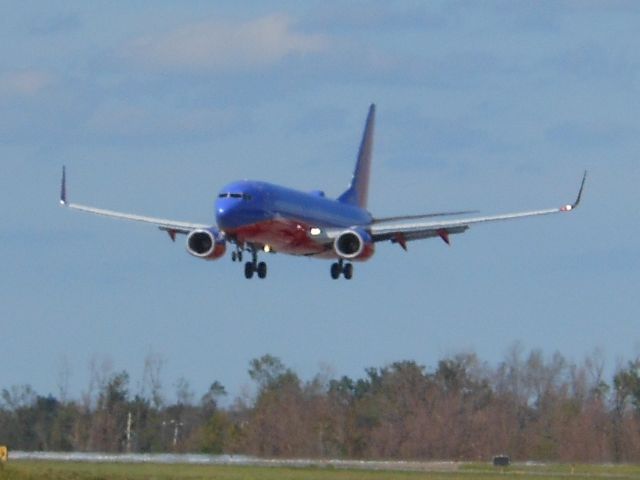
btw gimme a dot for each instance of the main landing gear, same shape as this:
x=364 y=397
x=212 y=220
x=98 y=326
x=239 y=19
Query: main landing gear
x=250 y=267
x=253 y=266
x=340 y=267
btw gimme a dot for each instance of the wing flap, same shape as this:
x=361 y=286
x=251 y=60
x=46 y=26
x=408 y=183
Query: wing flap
x=409 y=236
x=422 y=216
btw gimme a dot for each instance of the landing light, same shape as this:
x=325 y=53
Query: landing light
x=315 y=231
x=266 y=248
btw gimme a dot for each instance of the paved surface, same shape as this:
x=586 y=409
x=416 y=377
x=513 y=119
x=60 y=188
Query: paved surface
x=233 y=460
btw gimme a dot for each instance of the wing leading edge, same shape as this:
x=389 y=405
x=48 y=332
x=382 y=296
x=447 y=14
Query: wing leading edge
x=403 y=229
x=171 y=226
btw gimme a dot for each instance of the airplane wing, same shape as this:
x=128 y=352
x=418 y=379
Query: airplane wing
x=424 y=216
x=402 y=229
x=170 y=226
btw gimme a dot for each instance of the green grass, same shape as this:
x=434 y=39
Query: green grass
x=557 y=470
x=23 y=470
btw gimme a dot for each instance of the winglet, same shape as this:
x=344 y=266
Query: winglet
x=568 y=208
x=577 y=202
x=63 y=187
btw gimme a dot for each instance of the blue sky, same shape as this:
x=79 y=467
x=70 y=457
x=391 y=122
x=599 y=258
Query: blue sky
x=153 y=106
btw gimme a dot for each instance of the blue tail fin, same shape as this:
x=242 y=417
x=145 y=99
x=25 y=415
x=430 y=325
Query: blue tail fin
x=358 y=190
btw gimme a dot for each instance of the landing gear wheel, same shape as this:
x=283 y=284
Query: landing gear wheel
x=239 y=256
x=348 y=271
x=262 y=270
x=248 y=270
x=336 y=269
x=234 y=256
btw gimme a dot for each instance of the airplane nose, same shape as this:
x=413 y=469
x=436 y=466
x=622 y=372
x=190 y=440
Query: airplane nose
x=222 y=214
x=225 y=213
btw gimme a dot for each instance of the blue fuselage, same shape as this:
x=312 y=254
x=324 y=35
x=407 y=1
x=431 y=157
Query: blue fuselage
x=263 y=213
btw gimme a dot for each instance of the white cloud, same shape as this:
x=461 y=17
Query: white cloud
x=216 y=45
x=24 y=82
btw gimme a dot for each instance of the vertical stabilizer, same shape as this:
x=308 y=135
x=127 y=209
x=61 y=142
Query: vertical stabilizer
x=358 y=190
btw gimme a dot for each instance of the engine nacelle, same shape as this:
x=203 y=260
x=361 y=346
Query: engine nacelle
x=354 y=244
x=206 y=244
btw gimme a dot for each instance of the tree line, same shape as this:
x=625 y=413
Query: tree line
x=530 y=406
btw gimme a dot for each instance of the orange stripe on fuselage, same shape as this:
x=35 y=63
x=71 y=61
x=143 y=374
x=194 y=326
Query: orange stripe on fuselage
x=290 y=237
x=283 y=236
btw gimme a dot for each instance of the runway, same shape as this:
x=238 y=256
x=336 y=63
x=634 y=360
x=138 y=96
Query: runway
x=237 y=460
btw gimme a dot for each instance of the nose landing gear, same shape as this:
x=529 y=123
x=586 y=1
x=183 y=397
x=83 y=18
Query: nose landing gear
x=236 y=255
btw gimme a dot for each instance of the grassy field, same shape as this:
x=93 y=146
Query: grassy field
x=22 y=470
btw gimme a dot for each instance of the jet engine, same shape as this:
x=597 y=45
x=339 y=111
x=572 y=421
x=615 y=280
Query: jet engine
x=354 y=244
x=206 y=244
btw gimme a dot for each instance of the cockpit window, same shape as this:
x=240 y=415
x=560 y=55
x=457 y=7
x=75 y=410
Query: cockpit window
x=243 y=196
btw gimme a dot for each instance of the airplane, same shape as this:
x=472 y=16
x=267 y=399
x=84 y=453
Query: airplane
x=255 y=217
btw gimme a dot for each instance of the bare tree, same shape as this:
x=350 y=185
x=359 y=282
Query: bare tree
x=184 y=393
x=63 y=378
x=99 y=371
x=152 y=379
